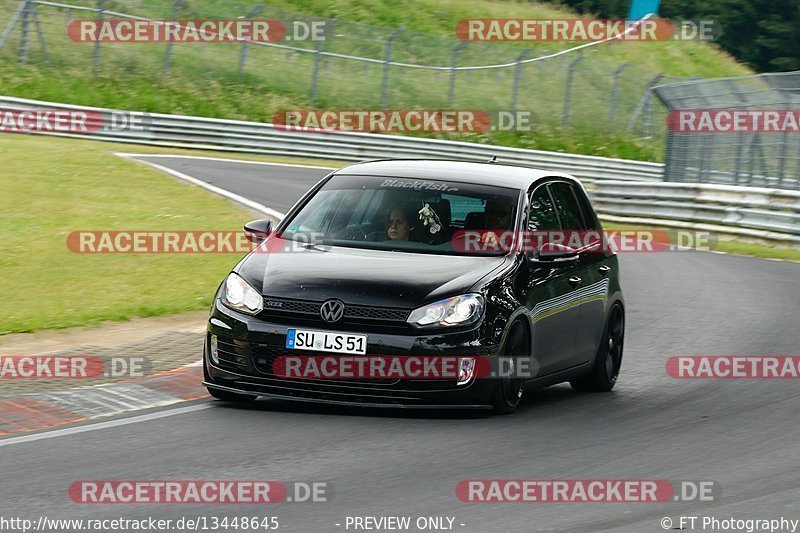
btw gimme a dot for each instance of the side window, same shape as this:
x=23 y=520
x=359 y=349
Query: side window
x=567 y=207
x=320 y=207
x=542 y=216
x=586 y=208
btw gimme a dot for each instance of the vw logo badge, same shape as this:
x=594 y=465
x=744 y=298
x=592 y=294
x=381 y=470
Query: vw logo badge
x=332 y=311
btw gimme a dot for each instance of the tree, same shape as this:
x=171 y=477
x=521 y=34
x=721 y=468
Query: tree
x=762 y=33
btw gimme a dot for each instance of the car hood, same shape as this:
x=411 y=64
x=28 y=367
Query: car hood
x=364 y=277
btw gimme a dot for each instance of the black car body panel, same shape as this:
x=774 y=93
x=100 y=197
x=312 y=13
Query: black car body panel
x=360 y=275
x=380 y=288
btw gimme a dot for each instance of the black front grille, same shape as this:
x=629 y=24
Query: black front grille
x=292 y=306
x=233 y=355
x=286 y=307
x=375 y=313
x=265 y=355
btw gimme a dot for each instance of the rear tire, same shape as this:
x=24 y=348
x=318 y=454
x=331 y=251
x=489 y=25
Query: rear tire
x=508 y=390
x=226 y=396
x=608 y=360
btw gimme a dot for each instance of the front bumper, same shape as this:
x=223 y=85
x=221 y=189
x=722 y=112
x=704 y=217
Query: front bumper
x=247 y=346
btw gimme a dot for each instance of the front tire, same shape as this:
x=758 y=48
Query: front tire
x=508 y=390
x=608 y=360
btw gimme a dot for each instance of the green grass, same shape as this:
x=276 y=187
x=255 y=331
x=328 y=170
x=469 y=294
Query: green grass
x=204 y=79
x=51 y=187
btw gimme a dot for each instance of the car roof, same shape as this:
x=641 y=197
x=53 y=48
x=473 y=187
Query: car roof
x=462 y=171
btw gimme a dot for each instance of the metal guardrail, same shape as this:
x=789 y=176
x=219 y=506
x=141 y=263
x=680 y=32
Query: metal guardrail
x=623 y=190
x=261 y=138
x=754 y=212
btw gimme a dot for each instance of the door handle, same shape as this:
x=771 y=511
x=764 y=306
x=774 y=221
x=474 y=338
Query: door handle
x=574 y=280
x=604 y=270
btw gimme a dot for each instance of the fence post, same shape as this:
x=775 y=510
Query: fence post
x=644 y=103
x=760 y=155
x=40 y=34
x=648 y=106
x=669 y=156
x=612 y=112
x=23 y=41
x=741 y=137
x=517 y=79
x=568 y=91
x=176 y=11
x=101 y=6
x=13 y=22
x=782 y=155
x=243 y=56
x=386 y=59
x=451 y=95
x=318 y=59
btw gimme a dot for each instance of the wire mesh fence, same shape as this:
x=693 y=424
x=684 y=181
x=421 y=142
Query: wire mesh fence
x=355 y=66
x=752 y=152
x=358 y=66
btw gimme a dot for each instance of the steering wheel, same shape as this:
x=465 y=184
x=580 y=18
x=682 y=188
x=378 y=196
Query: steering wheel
x=355 y=234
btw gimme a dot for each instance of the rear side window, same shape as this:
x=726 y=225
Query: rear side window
x=569 y=212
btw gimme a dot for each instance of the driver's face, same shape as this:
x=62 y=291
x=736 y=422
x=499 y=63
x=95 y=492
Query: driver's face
x=397 y=226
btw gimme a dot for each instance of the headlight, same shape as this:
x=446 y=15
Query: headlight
x=456 y=311
x=239 y=295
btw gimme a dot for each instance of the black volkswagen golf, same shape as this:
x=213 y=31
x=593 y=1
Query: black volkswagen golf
x=372 y=261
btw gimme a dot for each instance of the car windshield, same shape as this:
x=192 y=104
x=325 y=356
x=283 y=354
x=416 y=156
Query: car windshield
x=401 y=214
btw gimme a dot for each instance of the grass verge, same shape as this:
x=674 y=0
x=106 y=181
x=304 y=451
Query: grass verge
x=53 y=186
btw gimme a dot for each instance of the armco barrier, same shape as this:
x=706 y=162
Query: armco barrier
x=623 y=190
x=262 y=138
x=764 y=214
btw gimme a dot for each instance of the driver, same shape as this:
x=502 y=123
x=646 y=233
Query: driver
x=398 y=224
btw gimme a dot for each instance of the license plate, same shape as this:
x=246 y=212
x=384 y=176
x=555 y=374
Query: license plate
x=326 y=341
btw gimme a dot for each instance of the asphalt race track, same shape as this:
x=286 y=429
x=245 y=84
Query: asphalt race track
x=742 y=434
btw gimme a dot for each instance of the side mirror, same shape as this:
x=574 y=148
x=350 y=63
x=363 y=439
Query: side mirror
x=257 y=231
x=557 y=253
